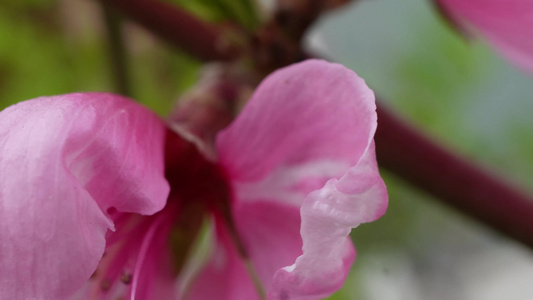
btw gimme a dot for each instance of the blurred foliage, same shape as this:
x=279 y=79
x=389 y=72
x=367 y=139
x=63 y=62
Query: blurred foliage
x=49 y=48
x=469 y=97
x=461 y=93
x=27 y=4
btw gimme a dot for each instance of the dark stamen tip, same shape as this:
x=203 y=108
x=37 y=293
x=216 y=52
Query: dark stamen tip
x=125 y=278
x=105 y=285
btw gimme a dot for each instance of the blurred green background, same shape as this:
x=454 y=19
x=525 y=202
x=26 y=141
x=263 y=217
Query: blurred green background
x=463 y=94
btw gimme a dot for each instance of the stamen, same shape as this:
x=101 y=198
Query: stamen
x=143 y=252
x=284 y=295
x=105 y=285
x=241 y=250
x=255 y=278
x=125 y=277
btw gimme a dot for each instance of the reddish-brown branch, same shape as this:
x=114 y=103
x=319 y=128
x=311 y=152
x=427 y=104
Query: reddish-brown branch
x=400 y=148
x=177 y=27
x=453 y=180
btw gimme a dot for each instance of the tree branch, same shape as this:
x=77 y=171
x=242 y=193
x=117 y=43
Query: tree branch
x=452 y=180
x=178 y=27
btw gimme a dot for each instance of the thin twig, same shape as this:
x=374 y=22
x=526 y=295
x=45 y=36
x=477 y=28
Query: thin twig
x=117 y=51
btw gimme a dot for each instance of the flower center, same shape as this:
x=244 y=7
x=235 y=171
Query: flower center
x=141 y=243
x=199 y=187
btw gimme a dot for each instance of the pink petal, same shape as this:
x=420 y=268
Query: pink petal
x=508 y=24
x=225 y=276
x=328 y=215
x=64 y=161
x=271 y=235
x=305 y=124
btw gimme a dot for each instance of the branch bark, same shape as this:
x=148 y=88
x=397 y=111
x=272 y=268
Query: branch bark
x=452 y=179
x=178 y=27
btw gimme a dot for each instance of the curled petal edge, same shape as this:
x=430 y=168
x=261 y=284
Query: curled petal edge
x=328 y=215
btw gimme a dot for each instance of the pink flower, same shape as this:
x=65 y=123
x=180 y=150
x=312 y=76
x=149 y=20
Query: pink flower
x=507 y=24
x=294 y=173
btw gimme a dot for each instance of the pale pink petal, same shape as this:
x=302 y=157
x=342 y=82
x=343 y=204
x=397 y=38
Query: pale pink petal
x=64 y=161
x=305 y=124
x=225 y=276
x=507 y=24
x=328 y=215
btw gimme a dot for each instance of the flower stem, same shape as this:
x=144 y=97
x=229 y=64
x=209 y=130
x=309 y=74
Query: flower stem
x=117 y=51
